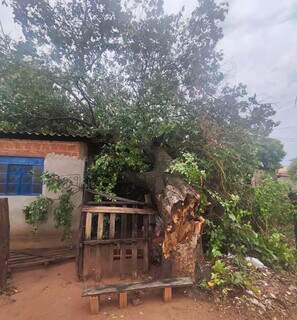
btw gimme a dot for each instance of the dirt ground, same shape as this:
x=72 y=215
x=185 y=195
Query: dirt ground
x=54 y=293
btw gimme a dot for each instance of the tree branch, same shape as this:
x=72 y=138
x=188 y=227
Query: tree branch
x=82 y=122
x=89 y=102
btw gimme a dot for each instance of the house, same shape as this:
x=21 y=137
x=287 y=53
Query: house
x=283 y=175
x=23 y=157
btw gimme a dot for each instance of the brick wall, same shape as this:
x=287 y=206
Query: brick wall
x=38 y=148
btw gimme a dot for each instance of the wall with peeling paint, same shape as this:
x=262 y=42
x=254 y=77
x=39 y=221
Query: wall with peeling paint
x=63 y=158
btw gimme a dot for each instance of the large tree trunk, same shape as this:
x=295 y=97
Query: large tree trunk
x=176 y=202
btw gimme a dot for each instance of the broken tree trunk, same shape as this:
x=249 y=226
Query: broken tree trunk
x=4 y=242
x=176 y=202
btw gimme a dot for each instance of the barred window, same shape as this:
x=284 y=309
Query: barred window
x=21 y=175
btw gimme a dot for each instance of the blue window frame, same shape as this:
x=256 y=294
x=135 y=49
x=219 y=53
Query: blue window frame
x=21 y=175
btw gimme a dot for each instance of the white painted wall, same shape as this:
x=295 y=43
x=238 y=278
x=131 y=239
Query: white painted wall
x=47 y=235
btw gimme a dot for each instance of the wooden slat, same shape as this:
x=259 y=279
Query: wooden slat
x=88 y=226
x=92 y=262
x=29 y=258
x=162 y=283
x=109 y=241
x=122 y=261
x=134 y=226
x=167 y=294
x=115 y=203
x=146 y=227
x=80 y=249
x=123 y=300
x=123 y=226
x=145 y=257
x=134 y=261
x=110 y=259
x=119 y=210
x=98 y=266
x=40 y=261
x=112 y=226
x=100 y=226
x=86 y=262
x=114 y=198
x=94 y=304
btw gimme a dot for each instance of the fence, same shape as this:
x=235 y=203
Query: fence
x=113 y=241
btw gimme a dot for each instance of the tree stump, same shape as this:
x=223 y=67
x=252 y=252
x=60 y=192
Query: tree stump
x=4 y=242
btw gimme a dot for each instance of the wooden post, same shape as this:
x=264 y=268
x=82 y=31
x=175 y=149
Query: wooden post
x=145 y=257
x=80 y=249
x=112 y=225
x=123 y=226
x=94 y=304
x=134 y=226
x=167 y=294
x=134 y=261
x=100 y=225
x=98 y=265
x=4 y=242
x=88 y=226
x=122 y=260
x=123 y=299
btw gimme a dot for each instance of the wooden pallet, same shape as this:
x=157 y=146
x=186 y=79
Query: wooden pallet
x=20 y=259
x=114 y=241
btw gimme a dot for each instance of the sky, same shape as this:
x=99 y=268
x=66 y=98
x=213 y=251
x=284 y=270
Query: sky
x=260 y=50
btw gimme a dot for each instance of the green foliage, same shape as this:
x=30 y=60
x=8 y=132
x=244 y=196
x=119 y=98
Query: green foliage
x=273 y=206
x=37 y=212
x=292 y=170
x=187 y=166
x=55 y=183
x=270 y=153
x=254 y=227
x=229 y=276
x=233 y=231
x=237 y=233
x=63 y=213
x=97 y=67
x=111 y=163
x=277 y=252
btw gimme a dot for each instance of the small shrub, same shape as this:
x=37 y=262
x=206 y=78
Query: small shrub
x=37 y=212
x=229 y=276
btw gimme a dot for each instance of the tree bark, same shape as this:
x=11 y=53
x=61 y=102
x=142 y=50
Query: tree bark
x=4 y=242
x=176 y=202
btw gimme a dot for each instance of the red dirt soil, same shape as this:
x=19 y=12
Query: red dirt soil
x=54 y=293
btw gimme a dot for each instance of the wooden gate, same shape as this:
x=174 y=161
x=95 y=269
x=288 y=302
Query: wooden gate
x=114 y=241
x=4 y=242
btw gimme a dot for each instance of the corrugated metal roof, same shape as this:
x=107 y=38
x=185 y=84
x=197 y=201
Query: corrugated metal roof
x=39 y=135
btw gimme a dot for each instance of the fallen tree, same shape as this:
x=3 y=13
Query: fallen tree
x=176 y=202
x=97 y=68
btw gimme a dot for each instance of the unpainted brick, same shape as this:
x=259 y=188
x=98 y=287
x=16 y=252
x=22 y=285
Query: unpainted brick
x=27 y=147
